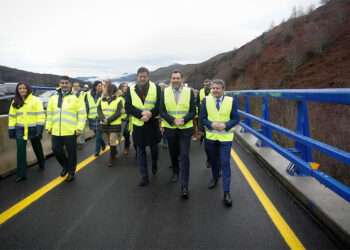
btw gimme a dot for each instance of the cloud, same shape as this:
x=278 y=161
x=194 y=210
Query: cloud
x=90 y=37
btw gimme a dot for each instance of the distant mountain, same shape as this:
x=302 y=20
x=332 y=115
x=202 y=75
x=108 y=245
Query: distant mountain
x=86 y=78
x=15 y=75
x=159 y=75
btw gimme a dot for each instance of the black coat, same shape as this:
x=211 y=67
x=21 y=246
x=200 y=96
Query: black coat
x=149 y=133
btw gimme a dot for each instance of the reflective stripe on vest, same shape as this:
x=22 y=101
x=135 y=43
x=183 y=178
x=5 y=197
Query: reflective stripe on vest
x=149 y=103
x=69 y=118
x=177 y=110
x=108 y=109
x=221 y=115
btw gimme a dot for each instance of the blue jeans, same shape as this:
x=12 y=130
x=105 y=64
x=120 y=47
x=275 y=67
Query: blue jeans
x=219 y=158
x=99 y=141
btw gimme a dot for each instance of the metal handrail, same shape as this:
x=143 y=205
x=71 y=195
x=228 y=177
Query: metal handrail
x=301 y=157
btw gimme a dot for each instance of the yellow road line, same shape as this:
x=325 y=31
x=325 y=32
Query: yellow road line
x=26 y=202
x=287 y=233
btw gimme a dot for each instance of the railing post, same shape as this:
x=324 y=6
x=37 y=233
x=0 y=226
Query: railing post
x=247 y=110
x=302 y=127
x=266 y=131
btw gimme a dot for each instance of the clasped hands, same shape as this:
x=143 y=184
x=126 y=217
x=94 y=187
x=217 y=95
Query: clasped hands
x=220 y=126
x=146 y=115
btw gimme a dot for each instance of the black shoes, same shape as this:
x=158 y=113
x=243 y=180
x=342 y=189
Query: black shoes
x=144 y=182
x=184 y=193
x=174 y=178
x=63 y=172
x=154 y=169
x=212 y=184
x=70 y=178
x=227 y=199
x=19 y=179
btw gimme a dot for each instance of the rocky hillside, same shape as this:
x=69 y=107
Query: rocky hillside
x=307 y=51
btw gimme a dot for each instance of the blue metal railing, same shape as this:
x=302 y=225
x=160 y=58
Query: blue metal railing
x=301 y=155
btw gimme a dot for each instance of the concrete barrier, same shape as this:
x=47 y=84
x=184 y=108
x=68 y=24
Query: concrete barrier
x=8 y=148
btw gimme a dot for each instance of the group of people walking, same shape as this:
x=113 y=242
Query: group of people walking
x=144 y=112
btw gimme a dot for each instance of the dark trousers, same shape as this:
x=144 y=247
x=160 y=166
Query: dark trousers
x=99 y=141
x=65 y=151
x=22 y=155
x=126 y=134
x=142 y=158
x=219 y=158
x=179 y=142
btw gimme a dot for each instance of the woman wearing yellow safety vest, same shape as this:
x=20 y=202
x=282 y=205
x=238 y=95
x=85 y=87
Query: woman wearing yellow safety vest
x=92 y=100
x=26 y=122
x=110 y=111
x=66 y=117
x=219 y=115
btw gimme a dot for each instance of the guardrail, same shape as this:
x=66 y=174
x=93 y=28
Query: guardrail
x=301 y=155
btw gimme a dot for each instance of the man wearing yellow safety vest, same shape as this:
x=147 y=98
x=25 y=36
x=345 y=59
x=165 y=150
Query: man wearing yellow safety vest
x=92 y=100
x=219 y=115
x=110 y=111
x=66 y=117
x=142 y=103
x=177 y=109
x=26 y=121
x=203 y=92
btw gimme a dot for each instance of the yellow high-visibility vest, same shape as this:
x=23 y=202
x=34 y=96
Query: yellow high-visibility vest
x=108 y=109
x=68 y=119
x=149 y=104
x=202 y=95
x=221 y=115
x=24 y=121
x=177 y=110
x=92 y=106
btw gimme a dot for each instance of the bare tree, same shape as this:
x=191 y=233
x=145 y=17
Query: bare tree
x=324 y=2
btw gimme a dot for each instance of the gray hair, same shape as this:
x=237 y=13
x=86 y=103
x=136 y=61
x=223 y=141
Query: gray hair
x=219 y=81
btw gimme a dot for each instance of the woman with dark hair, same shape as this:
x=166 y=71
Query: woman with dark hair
x=92 y=100
x=110 y=113
x=26 y=122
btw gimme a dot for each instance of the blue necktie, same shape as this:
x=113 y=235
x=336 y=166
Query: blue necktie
x=218 y=103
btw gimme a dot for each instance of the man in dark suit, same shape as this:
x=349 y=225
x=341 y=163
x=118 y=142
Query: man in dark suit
x=142 y=103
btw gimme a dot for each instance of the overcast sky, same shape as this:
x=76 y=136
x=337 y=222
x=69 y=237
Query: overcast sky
x=110 y=37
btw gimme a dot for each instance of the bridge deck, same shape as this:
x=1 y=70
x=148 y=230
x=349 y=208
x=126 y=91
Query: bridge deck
x=104 y=208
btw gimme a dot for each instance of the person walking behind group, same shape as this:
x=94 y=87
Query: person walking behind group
x=78 y=92
x=26 y=121
x=219 y=114
x=125 y=120
x=177 y=109
x=66 y=117
x=109 y=113
x=203 y=92
x=92 y=100
x=142 y=103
